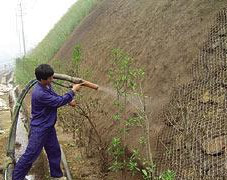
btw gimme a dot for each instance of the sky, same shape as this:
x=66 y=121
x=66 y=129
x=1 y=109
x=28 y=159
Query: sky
x=39 y=17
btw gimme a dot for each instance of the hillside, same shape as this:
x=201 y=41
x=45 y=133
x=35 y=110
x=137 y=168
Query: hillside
x=163 y=37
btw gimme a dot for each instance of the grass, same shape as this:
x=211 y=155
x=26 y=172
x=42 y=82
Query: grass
x=53 y=41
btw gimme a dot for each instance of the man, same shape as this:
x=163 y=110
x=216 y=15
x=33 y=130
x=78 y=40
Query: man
x=44 y=104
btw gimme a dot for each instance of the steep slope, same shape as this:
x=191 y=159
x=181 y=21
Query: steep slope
x=163 y=36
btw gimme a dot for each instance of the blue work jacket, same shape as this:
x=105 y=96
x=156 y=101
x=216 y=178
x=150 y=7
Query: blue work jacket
x=44 y=104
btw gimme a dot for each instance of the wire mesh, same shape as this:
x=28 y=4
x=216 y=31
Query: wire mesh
x=194 y=142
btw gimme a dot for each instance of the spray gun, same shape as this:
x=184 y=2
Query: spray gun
x=74 y=80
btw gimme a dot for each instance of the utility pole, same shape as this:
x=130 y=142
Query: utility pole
x=22 y=28
x=18 y=32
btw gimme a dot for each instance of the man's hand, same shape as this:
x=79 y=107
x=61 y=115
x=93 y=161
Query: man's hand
x=72 y=103
x=76 y=87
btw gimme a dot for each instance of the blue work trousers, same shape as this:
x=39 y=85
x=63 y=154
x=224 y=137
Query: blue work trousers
x=38 y=139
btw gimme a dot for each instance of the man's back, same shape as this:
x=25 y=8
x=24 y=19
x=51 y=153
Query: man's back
x=42 y=115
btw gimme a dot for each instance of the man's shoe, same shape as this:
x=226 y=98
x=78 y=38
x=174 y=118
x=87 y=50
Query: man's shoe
x=29 y=177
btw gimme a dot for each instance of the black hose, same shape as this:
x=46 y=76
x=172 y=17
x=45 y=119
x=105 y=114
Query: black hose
x=12 y=135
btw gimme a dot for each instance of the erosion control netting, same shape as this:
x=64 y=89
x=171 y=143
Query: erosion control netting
x=194 y=142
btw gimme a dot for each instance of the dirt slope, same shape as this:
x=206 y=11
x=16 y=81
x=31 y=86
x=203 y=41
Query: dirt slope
x=163 y=36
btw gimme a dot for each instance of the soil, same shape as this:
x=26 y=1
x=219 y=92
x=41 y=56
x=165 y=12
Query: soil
x=163 y=37
x=81 y=167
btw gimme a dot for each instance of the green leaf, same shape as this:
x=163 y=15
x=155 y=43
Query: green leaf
x=144 y=172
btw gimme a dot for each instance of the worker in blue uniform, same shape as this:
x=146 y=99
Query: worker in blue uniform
x=44 y=104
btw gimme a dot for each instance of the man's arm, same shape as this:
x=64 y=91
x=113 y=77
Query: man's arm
x=58 y=101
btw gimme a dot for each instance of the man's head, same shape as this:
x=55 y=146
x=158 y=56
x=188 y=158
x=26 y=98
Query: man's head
x=44 y=73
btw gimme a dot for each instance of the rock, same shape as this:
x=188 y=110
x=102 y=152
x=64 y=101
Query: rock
x=3 y=105
x=5 y=88
x=215 y=146
x=86 y=172
x=225 y=165
x=92 y=163
x=222 y=32
x=216 y=44
x=189 y=172
x=17 y=144
x=4 y=109
x=3 y=80
x=219 y=99
x=30 y=177
x=206 y=97
x=93 y=177
x=179 y=142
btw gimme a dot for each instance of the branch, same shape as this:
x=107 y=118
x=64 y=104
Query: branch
x=83 y=113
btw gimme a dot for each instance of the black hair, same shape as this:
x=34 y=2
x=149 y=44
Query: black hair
x=43 y=71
